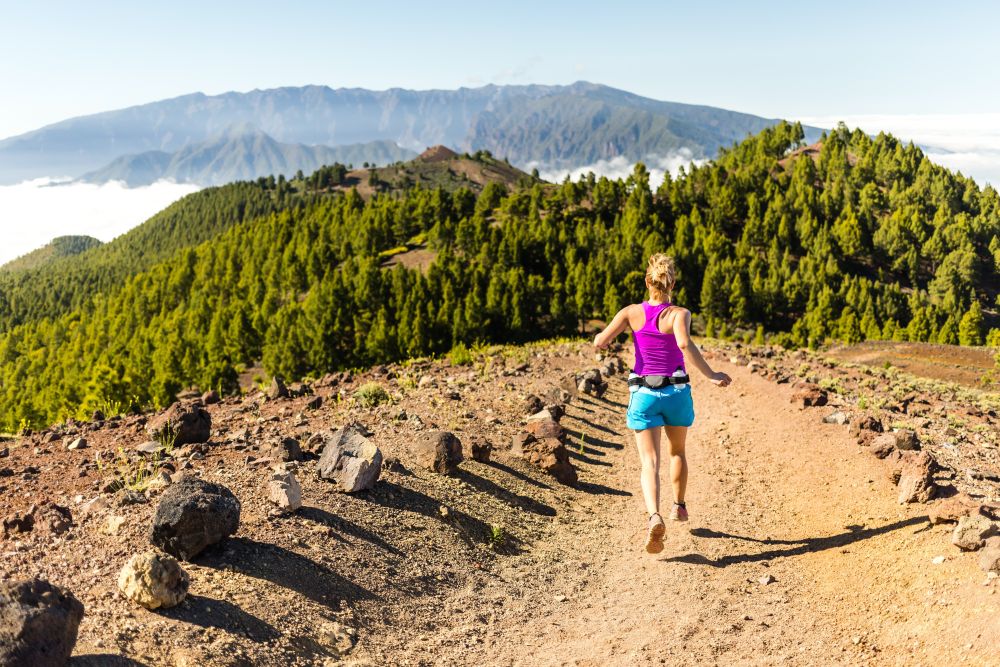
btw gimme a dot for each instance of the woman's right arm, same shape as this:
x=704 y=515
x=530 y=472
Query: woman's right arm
x=682 y=334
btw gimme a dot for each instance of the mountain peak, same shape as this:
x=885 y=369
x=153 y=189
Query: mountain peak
x=437 y=153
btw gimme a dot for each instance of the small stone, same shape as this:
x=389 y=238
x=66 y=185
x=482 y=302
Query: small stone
x=277 y=389
x=314 y=403
x=285 y=491
x=444 y=511
x=438 y=451
x=950 y=510
x=149 y=447
x=113 y=524
x=916 y=480
x=937 y=560
x=154 y=581
x=989 y=557
x=560 y=598
x=837 y=417
x=210 y=397
x=286 y=449
x=481 y=451
x=337 y=638
x=766 y=579
x=532 y=404
x=883 y=445
x=79 y=443
x=188 y=422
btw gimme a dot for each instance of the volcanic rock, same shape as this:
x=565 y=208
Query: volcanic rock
x=194 y=515
x=438 y=451
x=190 y=423
x=38 y=623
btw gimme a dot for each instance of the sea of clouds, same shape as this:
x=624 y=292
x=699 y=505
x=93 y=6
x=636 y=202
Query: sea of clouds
x=34 y=212
x=969 y=143
x=620 y=167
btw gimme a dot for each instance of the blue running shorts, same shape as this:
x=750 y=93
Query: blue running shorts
x=652 y=408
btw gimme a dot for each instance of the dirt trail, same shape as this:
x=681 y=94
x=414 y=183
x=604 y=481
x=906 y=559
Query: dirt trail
x=773 y=491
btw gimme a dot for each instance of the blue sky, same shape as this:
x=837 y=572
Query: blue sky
x=925 y=71
x=770 y=58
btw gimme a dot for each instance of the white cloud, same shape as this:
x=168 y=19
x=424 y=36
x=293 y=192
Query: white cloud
x=969 y=143
x=621 y=167
x=32 y=213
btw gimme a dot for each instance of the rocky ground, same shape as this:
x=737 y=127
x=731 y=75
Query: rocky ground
x=799 y=549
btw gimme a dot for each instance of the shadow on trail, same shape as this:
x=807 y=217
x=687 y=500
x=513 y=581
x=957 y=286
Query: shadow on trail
x=104 y=660
x=600 y=489
x=287 y=569
x=213 y=613
x=342 y=525
x=484 y=485
x=518 y=474
x=803 y=546
x=592 y=440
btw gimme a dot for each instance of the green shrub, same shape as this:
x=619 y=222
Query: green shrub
x=371 y=395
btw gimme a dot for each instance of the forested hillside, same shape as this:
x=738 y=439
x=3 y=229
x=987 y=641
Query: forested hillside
x=61 y=246
x=859 y=238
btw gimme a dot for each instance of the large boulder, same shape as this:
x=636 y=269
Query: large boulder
x=154 y=581
x=350 y=459
x=438 y=451
x=549 y=454
x=194 y=515
x=38 y=623
x=189 y=422
x=544 y=427
x=916 y=480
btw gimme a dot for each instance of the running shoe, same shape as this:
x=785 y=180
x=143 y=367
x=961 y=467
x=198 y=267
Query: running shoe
x=654 y=538
x=678 y=513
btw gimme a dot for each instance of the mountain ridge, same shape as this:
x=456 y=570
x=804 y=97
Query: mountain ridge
x=241 y=153
x=465 y=119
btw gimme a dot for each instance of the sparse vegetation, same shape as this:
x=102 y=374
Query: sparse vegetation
x=371 y=395
x=497 y=537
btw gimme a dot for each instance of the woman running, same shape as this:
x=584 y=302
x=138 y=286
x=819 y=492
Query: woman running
x=660 y=393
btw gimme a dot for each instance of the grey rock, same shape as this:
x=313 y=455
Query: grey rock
x=838 y=417
x=350 y=459
x=79 y=443
x=38 y=623
x=277 y=388
x=284 y=490
x=194 y=515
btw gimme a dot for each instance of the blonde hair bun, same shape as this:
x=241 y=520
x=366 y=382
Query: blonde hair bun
x=661 y=274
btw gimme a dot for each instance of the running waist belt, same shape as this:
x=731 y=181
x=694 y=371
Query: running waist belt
x=658 y=381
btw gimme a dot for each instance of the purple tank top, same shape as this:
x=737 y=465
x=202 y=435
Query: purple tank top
x=656 y=353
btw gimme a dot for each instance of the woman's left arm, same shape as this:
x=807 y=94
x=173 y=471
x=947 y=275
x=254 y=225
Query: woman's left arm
x=618 y=324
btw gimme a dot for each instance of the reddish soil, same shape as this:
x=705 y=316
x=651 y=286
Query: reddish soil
x=950 y=363
x=773 y=491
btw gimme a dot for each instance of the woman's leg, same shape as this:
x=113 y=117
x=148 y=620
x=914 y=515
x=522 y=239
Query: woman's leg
x=677 y=436
x=648 y=442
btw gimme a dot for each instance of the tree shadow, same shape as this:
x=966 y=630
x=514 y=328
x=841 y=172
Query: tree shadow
x=803 y=546
x=104 y=660
x=513 y=499
x=601 y=490
x=518 y=474
x=342 y=525
x=288 y=569
x=221 y=614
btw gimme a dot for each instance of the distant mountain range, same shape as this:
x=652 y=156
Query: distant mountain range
x=192 y=137
x=240 y=154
